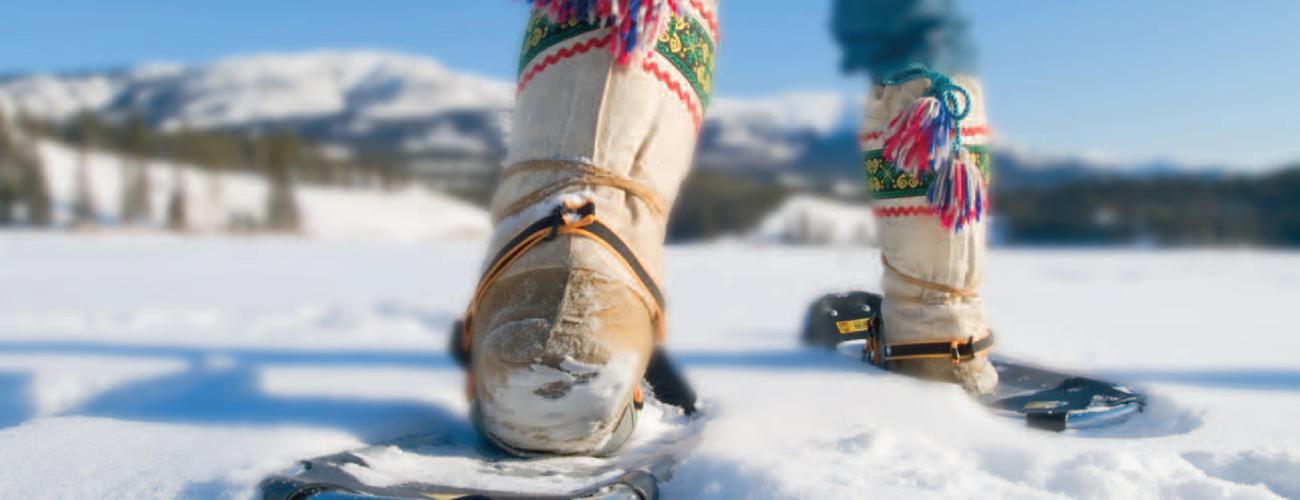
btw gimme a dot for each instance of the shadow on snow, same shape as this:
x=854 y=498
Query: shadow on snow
x=15 y=402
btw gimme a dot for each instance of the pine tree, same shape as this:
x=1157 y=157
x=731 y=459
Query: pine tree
x=33 y=193
x=35 y=189
x=281 y=153
x=84 y=208
x=177 y=218
x=135 y=182
x=8 y=173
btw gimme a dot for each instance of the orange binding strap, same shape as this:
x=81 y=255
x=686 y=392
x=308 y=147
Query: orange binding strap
x=957 y=350
x=576 y=219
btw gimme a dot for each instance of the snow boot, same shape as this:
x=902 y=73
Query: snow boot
x=568 y=311
x=925 y=150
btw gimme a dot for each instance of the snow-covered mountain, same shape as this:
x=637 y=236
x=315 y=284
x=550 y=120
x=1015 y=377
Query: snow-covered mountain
x=353 y=98
x=358 y=101
x=775 y=132
x=407 y=103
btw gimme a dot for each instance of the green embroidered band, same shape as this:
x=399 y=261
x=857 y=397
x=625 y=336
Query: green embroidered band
x=685 y=44
x=543 y=34
x=886 y=181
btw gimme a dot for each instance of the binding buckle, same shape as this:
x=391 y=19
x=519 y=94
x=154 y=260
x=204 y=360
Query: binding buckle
x=954 y=349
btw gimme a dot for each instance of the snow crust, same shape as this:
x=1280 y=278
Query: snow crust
x=165 y=367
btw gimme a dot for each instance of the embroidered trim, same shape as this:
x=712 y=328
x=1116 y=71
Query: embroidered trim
x=885 y=181
x=709 y=18
x=904 y=211
x=667 y=79
x=542 y=34
x=685 y=46
x=560 y=55
x=688 y=48
x=975 y=131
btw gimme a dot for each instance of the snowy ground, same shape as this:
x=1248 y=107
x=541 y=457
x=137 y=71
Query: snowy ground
x=171 y=367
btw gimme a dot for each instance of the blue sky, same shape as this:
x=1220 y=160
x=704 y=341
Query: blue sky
x=1199 y=81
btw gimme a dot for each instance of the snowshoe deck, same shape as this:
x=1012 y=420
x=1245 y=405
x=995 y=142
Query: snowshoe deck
x=1044 y=398
x=1057 y=401
x=443 y=467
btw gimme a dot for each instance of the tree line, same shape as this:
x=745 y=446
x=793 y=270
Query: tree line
x=1262 y=210
x=281 y=157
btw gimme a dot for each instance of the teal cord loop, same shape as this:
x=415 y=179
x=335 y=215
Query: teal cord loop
x=941 y=88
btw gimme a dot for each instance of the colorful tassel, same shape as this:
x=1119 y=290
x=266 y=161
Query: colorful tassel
x=921 y=139
x=637 y=23
x=926 y=137
x=959 y=193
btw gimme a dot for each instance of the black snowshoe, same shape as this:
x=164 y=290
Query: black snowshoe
x=1044 y=398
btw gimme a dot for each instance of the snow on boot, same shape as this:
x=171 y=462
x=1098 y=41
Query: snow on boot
x=926 y=160
x=563 y=323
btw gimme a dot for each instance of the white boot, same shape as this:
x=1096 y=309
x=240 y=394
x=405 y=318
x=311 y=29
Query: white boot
x=931 y=271
x=563 y=324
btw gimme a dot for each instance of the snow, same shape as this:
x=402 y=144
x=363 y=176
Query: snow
x=410 y=103
x=767 y=131
x=808 y=219
x=367 y=86
x=163 y=367
x=819 y=112
x=214 y=201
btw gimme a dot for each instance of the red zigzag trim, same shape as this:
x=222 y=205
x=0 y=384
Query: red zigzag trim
x=648 y=65
x=560 y=55
x=682 y=94
x=965 y=132
x=708 y=18
x=905 y=211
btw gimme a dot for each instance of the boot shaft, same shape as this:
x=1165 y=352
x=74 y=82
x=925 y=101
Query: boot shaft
x=932 y=272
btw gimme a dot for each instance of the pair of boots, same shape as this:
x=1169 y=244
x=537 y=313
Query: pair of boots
x=561 y=328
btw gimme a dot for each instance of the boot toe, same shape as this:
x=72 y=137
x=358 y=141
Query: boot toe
x=557 y=376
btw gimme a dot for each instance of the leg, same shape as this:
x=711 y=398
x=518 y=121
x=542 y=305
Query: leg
x=929 y=189
x=559 y=336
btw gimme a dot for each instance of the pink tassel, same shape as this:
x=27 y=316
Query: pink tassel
x=925 y=138
x=921 y=138
x=637 y=23
x=959 y=193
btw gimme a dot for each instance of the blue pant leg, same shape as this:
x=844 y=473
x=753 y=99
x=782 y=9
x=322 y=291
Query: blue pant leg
x=883 y=36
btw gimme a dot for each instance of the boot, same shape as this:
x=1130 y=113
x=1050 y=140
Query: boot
x=932 y=244
x=563 y=323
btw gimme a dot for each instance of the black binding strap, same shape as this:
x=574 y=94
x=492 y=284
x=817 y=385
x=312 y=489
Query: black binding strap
x=556 y=219
x=665 y=381
x=957 y=350
x=609 y=237
x=551 y=222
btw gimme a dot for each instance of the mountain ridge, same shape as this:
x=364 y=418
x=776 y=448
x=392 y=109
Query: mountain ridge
x=371 y=101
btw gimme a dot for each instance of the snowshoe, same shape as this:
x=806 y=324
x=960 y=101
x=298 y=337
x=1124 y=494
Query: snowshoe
x=1043 y=398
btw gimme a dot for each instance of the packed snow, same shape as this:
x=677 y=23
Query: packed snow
x=158 y=366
